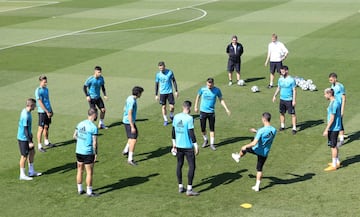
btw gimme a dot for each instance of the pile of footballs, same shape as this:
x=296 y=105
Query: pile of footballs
x=305 y=84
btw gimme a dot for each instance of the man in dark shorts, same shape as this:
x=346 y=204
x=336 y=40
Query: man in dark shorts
x=234 y=51
x=92 y=91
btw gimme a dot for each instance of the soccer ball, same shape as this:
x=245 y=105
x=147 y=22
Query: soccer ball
x=255 y=89
x=241 y=82
x=312 y=87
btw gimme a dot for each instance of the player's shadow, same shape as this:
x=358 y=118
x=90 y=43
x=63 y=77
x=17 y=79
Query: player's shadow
x=233 y=140
x=118 y=123
x=249 y=80
x=279 y=181
x=350 y=160
x=61 y=169
x=127 y=182
x=308 y=124
x=352 y=137
x=155 y=154
x=64 y=143
x=220 y=179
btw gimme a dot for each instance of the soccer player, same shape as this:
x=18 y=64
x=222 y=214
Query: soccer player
x=129 y=118
x=277 y=53
x=208 y=95
x=184 y=144
x=92 y=91
x=86 y=151
x=333 y=127
x=234 y=51
x=260 y=146
x=26 y=145
x=340 y=95
x=164 y=81
x=45 y=113
x=287 y=88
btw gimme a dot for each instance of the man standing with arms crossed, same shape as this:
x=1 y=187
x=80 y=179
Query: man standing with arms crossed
x=45 y=113
x=287 y=89
x=164 y=81
x=208 y=95
x=184 y=144
x=86 y=151
x=234 y=51
x=277 y=53
x=92 y=91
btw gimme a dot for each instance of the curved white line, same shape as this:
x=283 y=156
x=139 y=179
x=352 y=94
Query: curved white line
x=204 y=13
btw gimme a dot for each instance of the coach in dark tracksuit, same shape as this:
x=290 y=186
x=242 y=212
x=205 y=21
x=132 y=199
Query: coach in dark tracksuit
x=234 y=50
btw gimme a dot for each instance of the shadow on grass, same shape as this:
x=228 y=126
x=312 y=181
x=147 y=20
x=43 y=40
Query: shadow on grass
x=154 y=154
x=352 y=137
x=233 y=140
x=63 y=143
x=278 y=181
x=350 y=160
x=308 y=124
x=249 y=80
x=220 y=179
x=127 y=182
x=62 y=169
x=118 y=123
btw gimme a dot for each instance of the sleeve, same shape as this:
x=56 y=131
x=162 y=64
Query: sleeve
x=192 y=135
x=174 y=82
x=173 y=133
x=85 y=90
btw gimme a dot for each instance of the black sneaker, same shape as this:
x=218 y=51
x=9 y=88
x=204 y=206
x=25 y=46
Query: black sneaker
x=42 y=149
x=132 y=163
x=281 y=129
x=294 y=132
x=81 y=192
x=50 y=145
x=125 y=153
x=92 y=195
x=182 y=190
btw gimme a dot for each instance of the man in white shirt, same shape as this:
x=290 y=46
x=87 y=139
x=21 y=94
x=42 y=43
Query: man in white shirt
x=277 y=52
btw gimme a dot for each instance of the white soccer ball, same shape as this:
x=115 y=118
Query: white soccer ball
x=255 y=89
x=241 y=82
x=312 y=87
x=309 y=81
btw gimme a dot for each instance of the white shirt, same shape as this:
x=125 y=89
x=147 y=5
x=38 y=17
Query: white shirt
x=277 y=51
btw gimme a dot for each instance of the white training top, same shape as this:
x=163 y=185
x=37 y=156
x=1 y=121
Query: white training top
x=277 y=50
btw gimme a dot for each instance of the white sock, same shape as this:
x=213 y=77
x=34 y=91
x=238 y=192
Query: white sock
x=189 y=187
x=282 y=125
x=46 y=142
x=79 y=187
x=205 y=137
x=130 y=156
x=39 y=146
x=334 y=162
x=101 y=121
x=22 y=172
x=126 y=149
x=181 y=185
x=31 y=167
x=271 y=83
x=212 y=140
x=341 y=138
x=257 y=183
x=89 y=190
x=294 y=128
x=337 y=160
x=165 y=118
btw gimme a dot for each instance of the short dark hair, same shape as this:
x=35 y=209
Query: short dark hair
x=136 y=91
x=98 y=68
x=161 y=63
x=332 y=75
x=267 y=116
x=42 y=77
x=210 y=80
x=30 y=101
x=284 y=67
x=92 y=111
x=187 y=104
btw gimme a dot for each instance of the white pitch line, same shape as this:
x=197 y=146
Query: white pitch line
x=99 y=27
x=26 y=7
x=204 y=13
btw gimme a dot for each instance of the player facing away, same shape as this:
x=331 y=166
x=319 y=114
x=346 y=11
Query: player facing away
x=164 y=81
x=25 y=140
x=45 y=113
x=340 y=95
x=333 y=128
x=207 y=96
x=92 y=88
x=86 y=151
x=234 y=51
x=260 y=146
x=129 y=118
x=287 y=88
x=184 y=144
x=277 y=53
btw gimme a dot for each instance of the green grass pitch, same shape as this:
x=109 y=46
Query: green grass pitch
x=65 y=39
